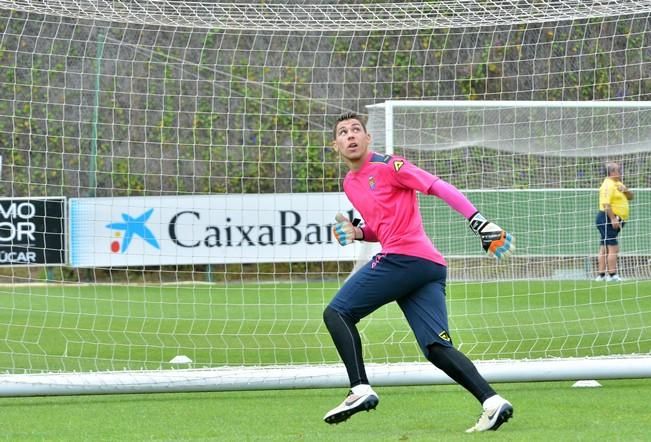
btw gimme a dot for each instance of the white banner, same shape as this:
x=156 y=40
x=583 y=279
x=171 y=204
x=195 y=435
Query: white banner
x=208 y=229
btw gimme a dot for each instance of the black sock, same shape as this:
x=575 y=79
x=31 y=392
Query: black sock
x=612 y=274
x=602 y=274
x=348 y=343
x=457 y=365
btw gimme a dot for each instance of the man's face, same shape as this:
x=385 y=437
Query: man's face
x=351 y=141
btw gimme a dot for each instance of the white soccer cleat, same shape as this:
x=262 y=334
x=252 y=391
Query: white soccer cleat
x=614 y=278
x=600 y=278
x=366 y=400
x=492 y=418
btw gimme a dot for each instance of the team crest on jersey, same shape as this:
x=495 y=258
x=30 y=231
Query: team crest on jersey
x=397 y=165
x=445 y=336
x=371 y=182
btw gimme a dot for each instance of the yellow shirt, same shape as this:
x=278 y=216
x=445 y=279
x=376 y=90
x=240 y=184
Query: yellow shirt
x=610 y=194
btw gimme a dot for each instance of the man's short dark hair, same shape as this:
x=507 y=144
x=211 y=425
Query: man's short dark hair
x=351 y=115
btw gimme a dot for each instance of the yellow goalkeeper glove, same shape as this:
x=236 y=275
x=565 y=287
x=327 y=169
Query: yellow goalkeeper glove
x=495 y=241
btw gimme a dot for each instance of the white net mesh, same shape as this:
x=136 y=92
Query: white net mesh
x=330 y=15
x=166 y=99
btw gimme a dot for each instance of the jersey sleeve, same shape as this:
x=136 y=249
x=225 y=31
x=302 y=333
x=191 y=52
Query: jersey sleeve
x=453 y=198
x=369 y=234
x=407 y=175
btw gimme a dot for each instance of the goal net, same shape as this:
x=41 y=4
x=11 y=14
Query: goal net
x=168 y=186
x=537 y=165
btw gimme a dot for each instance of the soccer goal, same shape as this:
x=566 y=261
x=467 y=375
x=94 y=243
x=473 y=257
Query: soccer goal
x=538 y=164
x=168 y=187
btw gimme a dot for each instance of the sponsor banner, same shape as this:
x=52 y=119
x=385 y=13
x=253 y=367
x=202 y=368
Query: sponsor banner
x=207 y=229
x=32 y=231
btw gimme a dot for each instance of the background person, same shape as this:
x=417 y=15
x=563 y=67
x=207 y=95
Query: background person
x=613 y=214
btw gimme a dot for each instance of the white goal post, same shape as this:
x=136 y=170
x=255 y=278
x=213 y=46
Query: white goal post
x=221 y=112
x=325 y=376
x=565 y=128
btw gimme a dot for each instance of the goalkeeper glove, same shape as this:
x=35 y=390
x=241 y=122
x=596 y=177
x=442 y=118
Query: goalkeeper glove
x=346 y=231
x=495 y=241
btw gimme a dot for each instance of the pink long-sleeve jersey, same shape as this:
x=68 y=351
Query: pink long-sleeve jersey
x=384 y=191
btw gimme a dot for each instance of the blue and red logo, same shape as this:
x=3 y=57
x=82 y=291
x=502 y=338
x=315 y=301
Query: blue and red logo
x=132 y=227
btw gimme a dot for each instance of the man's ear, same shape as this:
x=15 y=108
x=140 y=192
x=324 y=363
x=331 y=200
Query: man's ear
x=333 y=145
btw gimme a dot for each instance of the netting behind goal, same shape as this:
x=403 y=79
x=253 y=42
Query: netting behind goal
x=166 y=166
x=537 y=165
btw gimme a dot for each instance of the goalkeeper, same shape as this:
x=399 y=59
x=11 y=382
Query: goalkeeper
x=408 y=270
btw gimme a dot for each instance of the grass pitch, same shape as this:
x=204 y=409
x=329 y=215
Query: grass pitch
x=73 y=328
x=116 y=327
x=617 y=411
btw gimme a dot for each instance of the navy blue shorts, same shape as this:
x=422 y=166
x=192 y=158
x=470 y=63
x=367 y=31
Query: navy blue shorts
x=608 y=234
x=416 y=284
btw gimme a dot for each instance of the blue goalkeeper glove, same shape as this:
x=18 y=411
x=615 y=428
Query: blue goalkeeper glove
x=495 y=241
x=346 y=231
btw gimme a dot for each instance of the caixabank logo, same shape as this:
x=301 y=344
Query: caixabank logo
x=132 y=227
x=204 y=229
